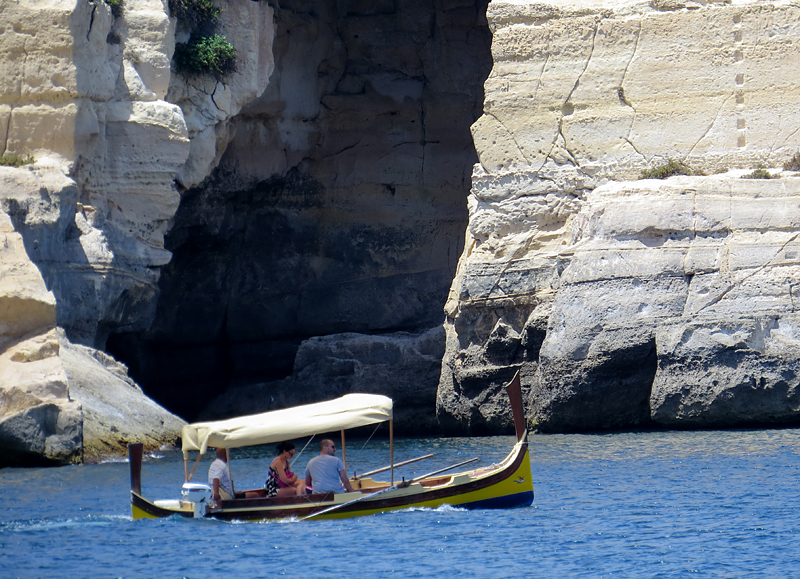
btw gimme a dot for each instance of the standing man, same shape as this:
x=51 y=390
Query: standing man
x=219 y=478
x=325 y=473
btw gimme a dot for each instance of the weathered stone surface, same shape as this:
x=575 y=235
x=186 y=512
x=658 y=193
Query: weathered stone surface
x=39 y=423
x=403 y=366
x=83 y=102
x=728 y=372
x=208 y=103
x=84 y=94
x=115 y=410
x=338 y=205
x=49 y=390
x=626 y=296
x=614 y=86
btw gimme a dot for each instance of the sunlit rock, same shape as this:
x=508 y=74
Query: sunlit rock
x=616 y=298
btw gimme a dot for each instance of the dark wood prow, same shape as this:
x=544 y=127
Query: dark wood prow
x=135 y=458
x=514 y=391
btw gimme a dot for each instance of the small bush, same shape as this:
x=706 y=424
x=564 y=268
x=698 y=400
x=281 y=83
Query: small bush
x=206 y=55
x=194 y=14
x=760 y=173
x=15 y=161
x=116 y=7
x=668 y=169
x=793 y=164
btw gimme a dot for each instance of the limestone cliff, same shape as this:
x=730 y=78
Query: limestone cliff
x=83 y=92
x=316 y=190
x=630 y=303
x=290 y=231
x=338 y=208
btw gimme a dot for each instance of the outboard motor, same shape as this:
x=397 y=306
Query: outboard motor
x=199 y=495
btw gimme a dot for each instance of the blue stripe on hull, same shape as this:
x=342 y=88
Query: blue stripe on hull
x=507 y=502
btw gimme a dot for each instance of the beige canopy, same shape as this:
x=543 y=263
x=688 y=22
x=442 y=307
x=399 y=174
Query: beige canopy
x=349 y=411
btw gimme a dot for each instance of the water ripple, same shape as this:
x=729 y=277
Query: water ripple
x=644 y=505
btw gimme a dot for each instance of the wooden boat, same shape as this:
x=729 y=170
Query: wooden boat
x=504 y=485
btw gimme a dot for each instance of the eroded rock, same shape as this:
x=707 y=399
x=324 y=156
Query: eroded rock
x=401 y=365
x=616 y=286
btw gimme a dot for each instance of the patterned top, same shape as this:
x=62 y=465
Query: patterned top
x=271 y=484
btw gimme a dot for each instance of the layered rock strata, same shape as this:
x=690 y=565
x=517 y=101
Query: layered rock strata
x=84 y=93
x=39 y=422
x=630 y=303
x=337 y=207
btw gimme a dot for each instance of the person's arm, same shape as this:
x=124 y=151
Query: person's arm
x=215 y=493
x=278 y=466
x=345 y=481
x=309 y=484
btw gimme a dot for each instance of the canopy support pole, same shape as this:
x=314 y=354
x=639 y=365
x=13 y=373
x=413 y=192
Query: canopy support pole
x=185 y=467
x=230 y=471
x=391 y=447
x=197 y=462
x=344 y=452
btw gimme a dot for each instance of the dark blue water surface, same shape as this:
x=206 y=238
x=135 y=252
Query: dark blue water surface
x=669 y=504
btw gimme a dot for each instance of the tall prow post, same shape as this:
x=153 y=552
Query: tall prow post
x=514 y=391
x=135 y=459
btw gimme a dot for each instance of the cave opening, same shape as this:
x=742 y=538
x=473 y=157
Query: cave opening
x=338 y=206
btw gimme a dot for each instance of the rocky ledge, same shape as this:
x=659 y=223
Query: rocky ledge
x=631 y=303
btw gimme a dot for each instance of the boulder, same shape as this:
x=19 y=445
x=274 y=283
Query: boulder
x=115 y=411
x=40 y=424
x=402 y=365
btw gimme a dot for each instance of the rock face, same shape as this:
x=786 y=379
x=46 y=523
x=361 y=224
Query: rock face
x=39 y=423
x=290 y=232
x=330 y=366
x=44 y=418
x=630 y=303
x=115 y=410
x=84 y=103
x=83 y=92
x=337 y=207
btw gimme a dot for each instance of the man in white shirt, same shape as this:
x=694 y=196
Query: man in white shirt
x=325 y=473
x=219 y=477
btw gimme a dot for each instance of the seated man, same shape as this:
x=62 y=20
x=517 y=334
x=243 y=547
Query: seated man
x=219 y=478
x=325 y=473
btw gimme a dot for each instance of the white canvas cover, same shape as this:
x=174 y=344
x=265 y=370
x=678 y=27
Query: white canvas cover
x=349 y=411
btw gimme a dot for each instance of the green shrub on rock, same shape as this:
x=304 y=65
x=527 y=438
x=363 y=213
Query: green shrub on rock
x=792 y=164
x=668 y=169
x=194 y=14
x=116 y=7
x=206 y=55
x=760 y=173
x=15 y=161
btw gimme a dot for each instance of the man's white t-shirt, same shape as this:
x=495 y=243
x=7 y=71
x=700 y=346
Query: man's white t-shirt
x=219 y=469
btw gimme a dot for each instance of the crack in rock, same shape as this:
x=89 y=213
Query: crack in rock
x=560 y=131
x=91 y=21
x=710 y=126
x=510 y=134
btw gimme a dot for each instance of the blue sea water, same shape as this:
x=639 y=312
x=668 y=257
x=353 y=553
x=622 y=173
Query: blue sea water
x=666 y=504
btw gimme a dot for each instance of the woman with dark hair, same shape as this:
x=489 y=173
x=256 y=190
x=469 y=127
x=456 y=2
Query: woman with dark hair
x=281 y=481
